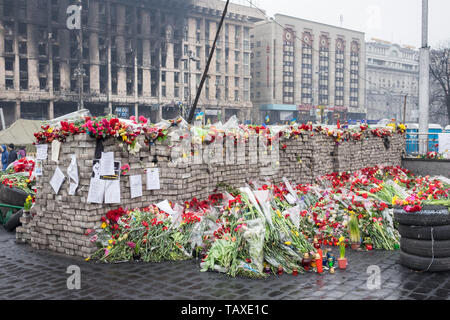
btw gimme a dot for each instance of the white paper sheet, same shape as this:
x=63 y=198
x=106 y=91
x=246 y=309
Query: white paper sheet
x=56 y=147
x=41 y=151
x=153 y=182
x=444 y=144
x=107 y=164
x=57 y=180
x=96 y=191
x=112 y=192
x=72 y=172
x=165 y=206
x=136 y=186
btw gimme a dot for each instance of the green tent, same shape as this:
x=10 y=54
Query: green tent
x=21 y=132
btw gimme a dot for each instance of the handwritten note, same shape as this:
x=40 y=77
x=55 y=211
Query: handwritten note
x=56 y=147
x=136 y=186
x=153 y=182
x=41 y=151
x=57 y=180
x=96 y=191
x=112 y=191
x=107 y=164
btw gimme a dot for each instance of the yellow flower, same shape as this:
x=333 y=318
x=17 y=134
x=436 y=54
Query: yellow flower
x=87 y=259
x=279 y=213
x=430 y=197
x=110 y=241
x=394 y=200
x=288 y=243
x=108 y=248
x=124 y=138
x=104 y=225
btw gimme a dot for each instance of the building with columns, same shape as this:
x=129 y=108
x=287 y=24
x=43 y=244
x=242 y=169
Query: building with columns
x=141 y=57
x=307 y=70
x=393 y=74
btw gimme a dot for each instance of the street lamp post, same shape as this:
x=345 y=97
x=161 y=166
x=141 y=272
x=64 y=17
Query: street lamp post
x=191 y=57
x=424 y=82
x=80 y=70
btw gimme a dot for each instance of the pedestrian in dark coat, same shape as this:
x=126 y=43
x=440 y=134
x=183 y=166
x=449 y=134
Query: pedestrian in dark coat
x=12 y=156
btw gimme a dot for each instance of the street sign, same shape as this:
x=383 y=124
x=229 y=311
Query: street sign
x=122 y=112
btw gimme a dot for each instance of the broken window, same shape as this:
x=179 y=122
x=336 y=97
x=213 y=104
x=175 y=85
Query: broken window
x=103 y=79
x=23 y=47
x=9 y=48
x=8 y=8
x=140 y=82
x=9 y=64
x=43 y=83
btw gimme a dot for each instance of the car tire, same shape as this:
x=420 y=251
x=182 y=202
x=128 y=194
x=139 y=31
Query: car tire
x=428 y=216
x=426 y=248
x=423 y=264
x=424 y=233
x=14 y=221
x=13 y=196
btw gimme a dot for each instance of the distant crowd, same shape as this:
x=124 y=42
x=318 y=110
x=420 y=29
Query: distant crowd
x=10 y=154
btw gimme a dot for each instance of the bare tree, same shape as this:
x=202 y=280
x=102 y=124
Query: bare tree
x=440 y=86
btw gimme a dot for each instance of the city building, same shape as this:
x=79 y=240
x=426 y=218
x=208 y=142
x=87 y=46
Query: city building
x=139 y=57
x=393 y=74
x=307 y=71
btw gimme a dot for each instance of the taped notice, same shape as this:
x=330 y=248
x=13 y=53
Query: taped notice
x=96 y=191
x=153 y=182
x=107 y=164
x=112 y=192
x=56 y=147
x=136 y=186
x=41 y=151
x=57 y=180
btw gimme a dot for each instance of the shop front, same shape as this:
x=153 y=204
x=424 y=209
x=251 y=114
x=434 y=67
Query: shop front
x=278 y=113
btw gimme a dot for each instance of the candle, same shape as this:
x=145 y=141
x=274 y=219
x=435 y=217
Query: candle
x=319 y=263
x=306 y=262
x=280 y=270
x=316 y=243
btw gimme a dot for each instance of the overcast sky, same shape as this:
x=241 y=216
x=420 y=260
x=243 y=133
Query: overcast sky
x=397 y=21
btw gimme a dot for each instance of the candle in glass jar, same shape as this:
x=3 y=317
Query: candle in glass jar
x=306 y=262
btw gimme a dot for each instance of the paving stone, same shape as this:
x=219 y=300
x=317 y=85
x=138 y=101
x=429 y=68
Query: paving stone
x=41 y=275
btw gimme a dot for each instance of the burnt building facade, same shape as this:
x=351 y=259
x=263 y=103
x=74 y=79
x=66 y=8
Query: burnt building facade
x=141 y=57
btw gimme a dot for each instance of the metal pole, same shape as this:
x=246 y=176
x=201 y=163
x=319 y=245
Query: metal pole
x=205 y=73
x=424 y=82
x=80 y=61
x=189 y=81
x=404 y=110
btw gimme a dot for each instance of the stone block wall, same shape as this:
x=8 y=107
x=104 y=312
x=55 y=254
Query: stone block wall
x=60 y=221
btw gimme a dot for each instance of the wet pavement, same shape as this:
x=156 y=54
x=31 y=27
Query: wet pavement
x=29 y=274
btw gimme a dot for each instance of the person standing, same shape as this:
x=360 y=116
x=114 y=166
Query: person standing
x=5 y=154
x=12 y=156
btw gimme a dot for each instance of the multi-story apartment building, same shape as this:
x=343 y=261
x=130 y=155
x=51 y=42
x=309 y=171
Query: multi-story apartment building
x=301 y=66
x=392 y=73
x=138 y=55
